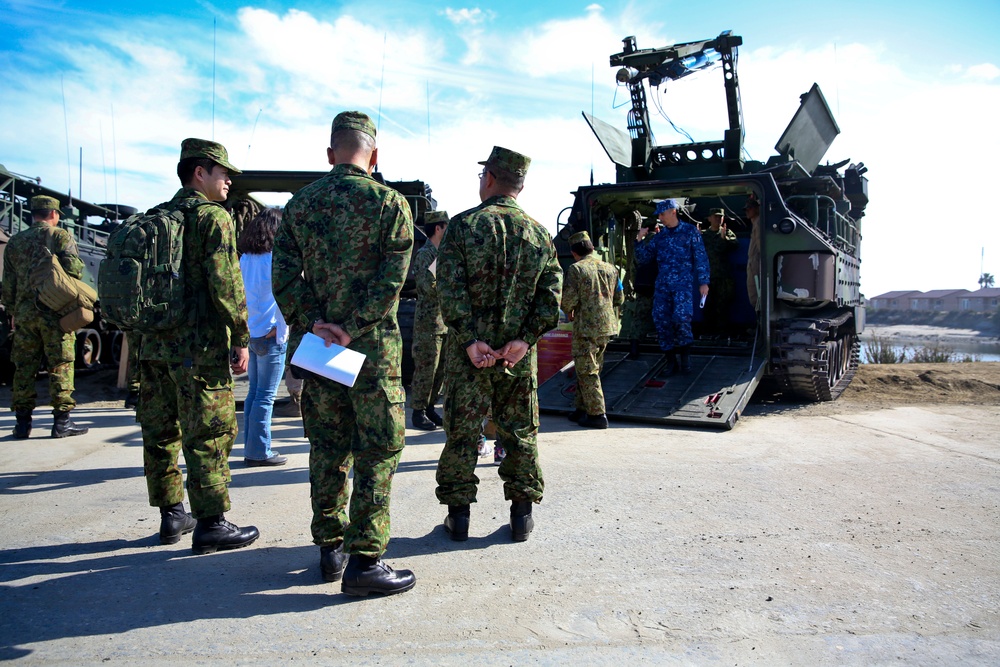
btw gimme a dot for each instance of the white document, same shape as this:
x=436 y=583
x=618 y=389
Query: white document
x=433 y=267
x=335 y=362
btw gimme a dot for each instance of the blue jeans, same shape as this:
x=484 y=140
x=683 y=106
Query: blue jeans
x=267 y=363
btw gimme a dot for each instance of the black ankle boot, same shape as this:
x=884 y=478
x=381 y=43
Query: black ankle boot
x=22 y=429
x=521 y=523
x=577 y=415
x=214 y=533
x=365 y=575
x=594 y=421
x=332 y=561
x=420 y=421
x=63 y=427
x=456 y=523
x=434 y=416
x=174 y=522
x=684 y=360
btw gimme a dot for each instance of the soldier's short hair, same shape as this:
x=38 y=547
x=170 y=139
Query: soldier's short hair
x=351 y=141
x=507 y=179
x=186 y=167
x=583 y=248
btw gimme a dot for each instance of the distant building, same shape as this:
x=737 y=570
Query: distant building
x=982 y=300
x=938 y=300
x=893 y=300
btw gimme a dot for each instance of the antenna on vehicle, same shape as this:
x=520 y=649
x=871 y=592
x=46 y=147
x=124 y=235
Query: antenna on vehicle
x=253 y=131
x=213 y=77
x=69 y=175
x=381 y=84
x=104 y=164
x=114 y=149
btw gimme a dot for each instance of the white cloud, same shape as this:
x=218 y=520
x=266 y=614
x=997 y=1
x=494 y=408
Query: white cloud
x=984 y=72
x=474 y=16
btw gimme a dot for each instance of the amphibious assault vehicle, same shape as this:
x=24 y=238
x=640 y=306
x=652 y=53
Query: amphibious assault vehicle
x=90 y=224
x=803 y=336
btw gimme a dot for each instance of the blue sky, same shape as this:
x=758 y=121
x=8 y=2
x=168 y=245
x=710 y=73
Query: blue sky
x=915 y=87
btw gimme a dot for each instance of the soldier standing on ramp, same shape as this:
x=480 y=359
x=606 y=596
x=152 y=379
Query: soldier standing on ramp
x=339 y=262
x=37 y=329
x=590 y=295
x=499 y=284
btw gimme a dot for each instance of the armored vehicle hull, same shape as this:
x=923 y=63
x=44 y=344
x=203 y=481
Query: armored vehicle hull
x=802 y=333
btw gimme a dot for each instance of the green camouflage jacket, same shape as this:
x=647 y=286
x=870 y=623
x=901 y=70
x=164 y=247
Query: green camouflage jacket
x=591 y=293
x=341 y=254
x=213 y=291
x=23 y=252
x=427 y=319
x=498 y=279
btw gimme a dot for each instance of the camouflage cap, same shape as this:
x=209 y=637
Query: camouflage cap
x=507 y=160
x=207 y=149
x=666 y=205
x=433 y=217
x=717 y=211
x=44 y=203
x=579 y=237
x=353 y=120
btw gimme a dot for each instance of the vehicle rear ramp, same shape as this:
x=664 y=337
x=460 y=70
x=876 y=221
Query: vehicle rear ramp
x=642 y=389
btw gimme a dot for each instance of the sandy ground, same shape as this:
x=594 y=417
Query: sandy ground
x=858 y=532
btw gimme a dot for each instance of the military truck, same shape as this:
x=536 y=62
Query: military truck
x=90 y=225
x=244 y=205
x=803 y=337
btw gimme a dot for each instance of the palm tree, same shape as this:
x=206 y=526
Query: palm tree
x=986 y=280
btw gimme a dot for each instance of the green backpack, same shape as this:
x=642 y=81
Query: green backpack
x=141 y=280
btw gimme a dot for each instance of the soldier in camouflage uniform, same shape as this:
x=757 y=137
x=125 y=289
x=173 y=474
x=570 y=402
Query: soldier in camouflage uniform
x=185 y=388
x=429 y=330
x=590 y=296
x=681 y=260
x=752 y=210
x=36 y=327
x=339 y=262
x=499 y=284
x=719 y=242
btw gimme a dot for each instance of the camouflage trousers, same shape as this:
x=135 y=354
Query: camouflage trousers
x=364 y=424
x=132 y=370
x=34 y=337
x=514 y=400
x=588 y=360
x=637 y=318
x=428 y=369
x=672 y=313
x=190 y=410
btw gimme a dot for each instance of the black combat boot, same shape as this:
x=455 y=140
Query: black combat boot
x=434 y=416
x=214 y=533
x=22 y=429
x=633 y=349
x=63 y=427
x=174 y=522
x=456 y=523
x=684 y=360
x=671 y=368
x=577 y=415
x=594 y=421
x=521 y=523
x=332 y=561
x=365 y=575
x=132 y=400
x=420 y=421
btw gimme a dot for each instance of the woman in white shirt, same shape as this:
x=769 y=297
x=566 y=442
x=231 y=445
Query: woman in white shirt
x=268 y=338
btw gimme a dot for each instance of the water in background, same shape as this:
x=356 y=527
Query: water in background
x=979 y=349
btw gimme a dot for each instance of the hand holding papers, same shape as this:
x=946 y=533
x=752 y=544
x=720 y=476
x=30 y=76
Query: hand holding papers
x=335 y=362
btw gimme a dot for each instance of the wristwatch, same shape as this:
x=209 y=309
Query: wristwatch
x=468 y=343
